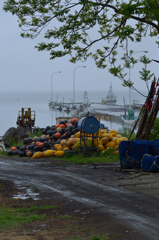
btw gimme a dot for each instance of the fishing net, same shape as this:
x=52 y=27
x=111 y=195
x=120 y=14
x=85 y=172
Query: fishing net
x=131 y=152
x=148 y=112
x=150 y=163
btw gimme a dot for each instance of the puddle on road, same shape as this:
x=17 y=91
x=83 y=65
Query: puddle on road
x=26 y=192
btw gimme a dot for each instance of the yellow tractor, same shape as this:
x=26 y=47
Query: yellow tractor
x=26 y=118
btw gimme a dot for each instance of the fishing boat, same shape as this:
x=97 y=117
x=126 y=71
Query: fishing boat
x=111 y=98
x=66 y=108
x=53 y=104
x=136 y=104
x=59 y=107
x=81 y=109
x=129 y=118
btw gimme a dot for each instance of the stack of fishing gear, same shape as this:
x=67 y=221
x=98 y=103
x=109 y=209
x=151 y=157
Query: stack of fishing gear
x=148 y=113
x=140 y=152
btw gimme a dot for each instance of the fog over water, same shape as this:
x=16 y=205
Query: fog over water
x=12 y=102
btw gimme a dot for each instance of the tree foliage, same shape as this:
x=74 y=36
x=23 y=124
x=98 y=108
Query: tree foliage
x=69 y=27
x=145 y=74
x=155 y=130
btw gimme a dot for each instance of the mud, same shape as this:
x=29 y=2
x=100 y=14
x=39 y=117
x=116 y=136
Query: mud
x=94 y=193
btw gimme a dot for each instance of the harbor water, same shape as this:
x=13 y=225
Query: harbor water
x=12 y=102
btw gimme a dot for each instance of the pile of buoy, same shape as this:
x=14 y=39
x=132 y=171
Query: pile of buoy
x=58 y=139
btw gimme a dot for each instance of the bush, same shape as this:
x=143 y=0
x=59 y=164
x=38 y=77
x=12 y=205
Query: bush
x=154 y=134
x=126 y=133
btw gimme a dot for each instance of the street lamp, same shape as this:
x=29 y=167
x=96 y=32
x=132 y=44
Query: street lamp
x=52 y=84
x=130 y=78
x=74 y=82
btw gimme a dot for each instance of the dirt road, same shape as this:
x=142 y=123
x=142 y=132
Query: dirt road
x=93 y=188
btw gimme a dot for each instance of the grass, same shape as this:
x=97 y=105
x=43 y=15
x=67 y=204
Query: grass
x=14 y=142
x=91 y=157
x=100 y=238
x=4 y=154
x=82 y=158
x=95 y=237
x=37 y=133
x=48 y=207
x=126 y=133
x=35 y=208
x=64 y=216
x=10 y=218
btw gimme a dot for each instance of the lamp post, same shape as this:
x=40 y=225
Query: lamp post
x=74 y=82
x=130 y=78
x=52 y=84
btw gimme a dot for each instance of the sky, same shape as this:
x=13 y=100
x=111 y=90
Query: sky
x=23 y=68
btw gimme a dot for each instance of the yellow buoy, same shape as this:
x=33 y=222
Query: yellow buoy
x=59 y=153
x=113 y=132
x=49 y=153
x=109 y=136
x=111 y=144
x=38 y=155
x=100 y=147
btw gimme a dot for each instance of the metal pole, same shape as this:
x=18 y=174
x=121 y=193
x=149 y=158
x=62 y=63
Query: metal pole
x=74 y=85
x=129 y=91
x=130 y=79
x=74 y=82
